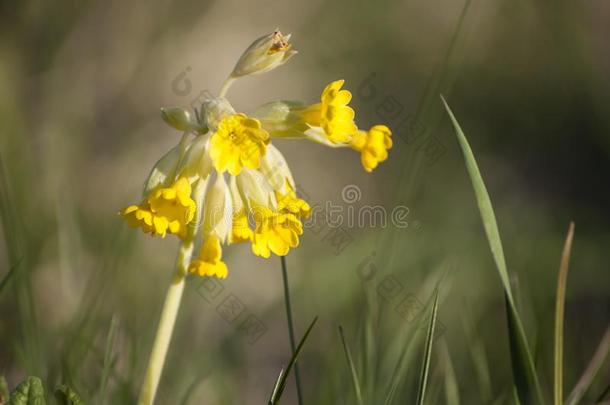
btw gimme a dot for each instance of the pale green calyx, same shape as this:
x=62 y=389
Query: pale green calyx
x=265 y=54
x=182 y=120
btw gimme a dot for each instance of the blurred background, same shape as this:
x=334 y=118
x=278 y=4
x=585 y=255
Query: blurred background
x=81 y=86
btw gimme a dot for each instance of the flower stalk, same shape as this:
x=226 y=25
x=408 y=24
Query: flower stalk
x=169 y=313
x=225 y=87
x=166 y=327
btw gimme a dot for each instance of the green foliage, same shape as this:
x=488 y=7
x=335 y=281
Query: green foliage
x=560 y=299
x=67 y=396
x=4 y=393
x=280 y=384
x=29 y=392
x=352 y=367
x=524 y=372
x=425 y=368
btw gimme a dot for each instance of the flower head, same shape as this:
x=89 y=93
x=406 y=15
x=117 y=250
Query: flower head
x=240 y=141
x=240 y=230
x=336 y=116
x=226 y=183
x=166 y=209
x=372 y=145
x=329 y=122
x=209 y=262
x=276 y=232
x=288 y=202
x=332 y=119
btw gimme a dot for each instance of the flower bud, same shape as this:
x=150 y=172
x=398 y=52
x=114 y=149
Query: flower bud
x=265 y=54
x=180 y=119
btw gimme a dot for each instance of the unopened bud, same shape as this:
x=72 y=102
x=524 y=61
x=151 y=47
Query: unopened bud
x=179 y=118
x=265 y=54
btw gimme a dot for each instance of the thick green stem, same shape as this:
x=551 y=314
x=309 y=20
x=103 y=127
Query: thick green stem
x=166 y=325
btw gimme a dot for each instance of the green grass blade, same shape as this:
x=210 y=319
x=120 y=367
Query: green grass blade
x=9 y=276
x=603 y=395
x=192 y=387
x=276 y=387
x=297 y=375
x=593 y=368
x=478 y=355
x=559 y=315
x=108 y=358
x=400 y=369
x=352 y=367
x=369 y=339
x=425 y=369
x=484 y=203
x=280 y=384
x=524 y=371
x=407 y=351
x=452 y=392
x=4 y=393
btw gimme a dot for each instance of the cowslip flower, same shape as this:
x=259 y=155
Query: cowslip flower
x=166 y=209
x=226 y=183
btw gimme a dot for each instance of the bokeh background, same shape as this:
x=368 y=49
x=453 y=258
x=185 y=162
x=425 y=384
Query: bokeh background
x=81 y=84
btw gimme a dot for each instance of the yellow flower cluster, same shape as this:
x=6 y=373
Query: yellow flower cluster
x=226 y=183
x=165 y=210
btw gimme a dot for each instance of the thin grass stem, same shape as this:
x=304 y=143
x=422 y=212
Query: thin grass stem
x=297 y=374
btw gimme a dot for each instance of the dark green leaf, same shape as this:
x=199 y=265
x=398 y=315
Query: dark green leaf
x=67 y=396
x=352 y=367
x=280 y=384
x=425 y=369
x=29 y=392
x=559 y=315
x=4 y=393
x=524 y=372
